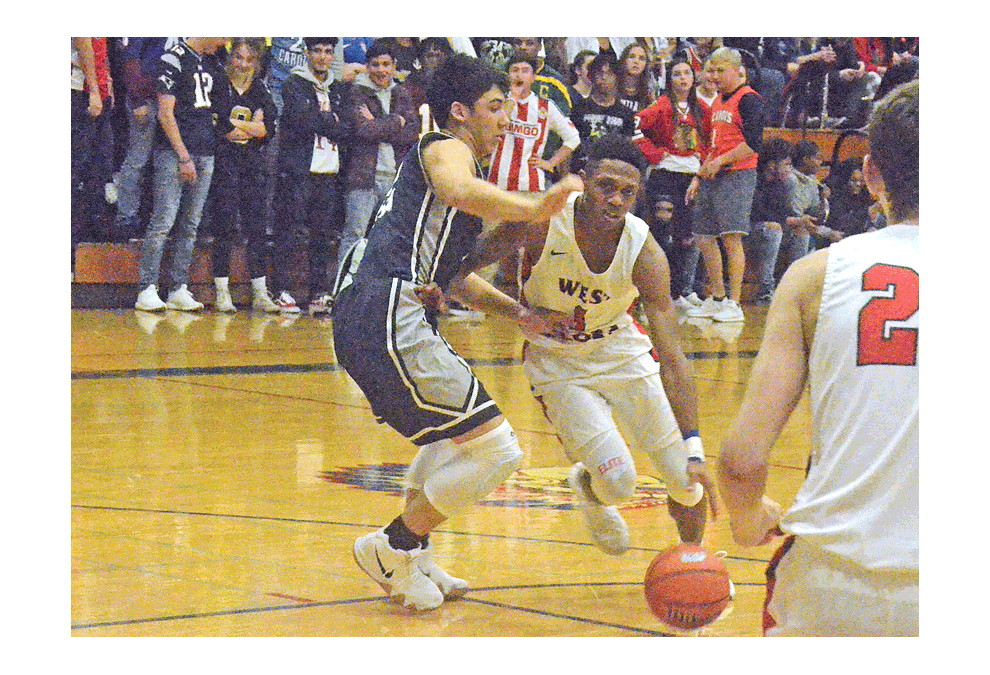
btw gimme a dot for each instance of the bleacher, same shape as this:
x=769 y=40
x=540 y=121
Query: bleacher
x=106 y=274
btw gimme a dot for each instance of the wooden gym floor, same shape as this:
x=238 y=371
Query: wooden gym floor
x=223 y=465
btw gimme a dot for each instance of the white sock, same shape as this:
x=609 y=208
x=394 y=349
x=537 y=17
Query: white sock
x=221 y=282
x=258 y=286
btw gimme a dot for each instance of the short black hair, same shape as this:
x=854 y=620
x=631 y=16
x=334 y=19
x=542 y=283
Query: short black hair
x=522 y=57
x=617 y=147
x=464 y=79
x=803 y=150
x=440 y=43
x=775 y=149
x=383 y=47
x=313 y=41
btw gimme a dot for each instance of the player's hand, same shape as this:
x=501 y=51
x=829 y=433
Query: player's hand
x=187 y=172
x=759 y=526
x=432 y=298
x=698 y=473
x=365 y=112
x=543 y=322
x=140 y=113
x=555 y=199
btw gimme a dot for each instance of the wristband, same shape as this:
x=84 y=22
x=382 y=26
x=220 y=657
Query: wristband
x=695 y=451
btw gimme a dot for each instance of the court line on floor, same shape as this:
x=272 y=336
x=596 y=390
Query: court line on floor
x=313 y=521
x=305 y=368
x=353 y=601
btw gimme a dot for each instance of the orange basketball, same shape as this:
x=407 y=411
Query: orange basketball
x=687 y=587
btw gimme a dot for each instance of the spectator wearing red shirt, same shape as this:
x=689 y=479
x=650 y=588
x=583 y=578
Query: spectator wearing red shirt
x=723 y=189
x=672 y=133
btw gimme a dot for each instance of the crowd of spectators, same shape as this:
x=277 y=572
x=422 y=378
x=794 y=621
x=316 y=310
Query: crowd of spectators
x=307 y=134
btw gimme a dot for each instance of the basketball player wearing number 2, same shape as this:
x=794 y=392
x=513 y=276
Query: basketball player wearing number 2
x=845 y=320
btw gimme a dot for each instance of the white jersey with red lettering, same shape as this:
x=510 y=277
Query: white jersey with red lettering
x=530 y=121
x=605 y=336
x=860 y=499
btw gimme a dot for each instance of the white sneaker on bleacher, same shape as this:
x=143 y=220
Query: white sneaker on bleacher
x=264 y=302
x=148 y=300
x=182 y=300
x=729 y=312
x=708 y=308
x=286 y=303
x=224 y=303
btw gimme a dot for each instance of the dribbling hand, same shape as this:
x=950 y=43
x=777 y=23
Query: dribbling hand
x=698 y=473
x=759 y=526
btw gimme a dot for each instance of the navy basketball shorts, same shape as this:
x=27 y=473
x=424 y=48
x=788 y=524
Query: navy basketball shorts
x=723 y=203
x=415 y=382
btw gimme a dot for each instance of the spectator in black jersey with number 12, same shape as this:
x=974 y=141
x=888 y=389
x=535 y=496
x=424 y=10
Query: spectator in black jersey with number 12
x=185 y=147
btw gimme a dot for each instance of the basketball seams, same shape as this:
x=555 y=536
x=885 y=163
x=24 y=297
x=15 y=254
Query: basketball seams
x=679 y=590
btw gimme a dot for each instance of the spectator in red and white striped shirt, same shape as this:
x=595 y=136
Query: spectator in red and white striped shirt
x=517 y=164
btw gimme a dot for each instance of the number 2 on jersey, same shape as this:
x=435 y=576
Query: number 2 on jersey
x=879 y=345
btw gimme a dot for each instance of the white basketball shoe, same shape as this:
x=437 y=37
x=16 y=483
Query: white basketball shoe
x=398 y=572
x=451 y=587
x=607 y=528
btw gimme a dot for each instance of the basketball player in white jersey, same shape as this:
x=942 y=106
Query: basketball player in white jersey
x=845 y=321
x=590 y=262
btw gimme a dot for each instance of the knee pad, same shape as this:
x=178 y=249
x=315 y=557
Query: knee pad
x=613 y=472
x=427 y=462
x=480 y=466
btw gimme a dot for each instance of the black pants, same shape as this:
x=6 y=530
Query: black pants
x=238 y=187
x=314 y=202
x=91 y=169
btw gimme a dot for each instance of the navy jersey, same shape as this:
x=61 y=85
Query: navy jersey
x=416 y=236
x=237 y=106
x=194 y=80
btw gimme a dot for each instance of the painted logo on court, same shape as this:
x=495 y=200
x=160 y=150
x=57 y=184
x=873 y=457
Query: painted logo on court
x=545 y=488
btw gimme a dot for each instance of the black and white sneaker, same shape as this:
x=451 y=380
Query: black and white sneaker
x=398 y=572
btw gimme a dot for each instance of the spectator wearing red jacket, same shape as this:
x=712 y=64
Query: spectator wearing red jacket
x=672 y=133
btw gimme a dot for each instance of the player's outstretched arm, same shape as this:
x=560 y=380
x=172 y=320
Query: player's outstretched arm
x=774 y=388
x=474 y=291
x=449 y=165
x=651 y=275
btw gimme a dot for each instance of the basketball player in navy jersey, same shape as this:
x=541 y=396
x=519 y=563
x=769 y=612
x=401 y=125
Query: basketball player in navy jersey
x=388 y=343
x=845 y=321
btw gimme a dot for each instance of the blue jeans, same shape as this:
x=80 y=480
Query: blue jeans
x=360 y=209
x=763 y=245
x=179 y=205
x=141 y=138
x=793 y=247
